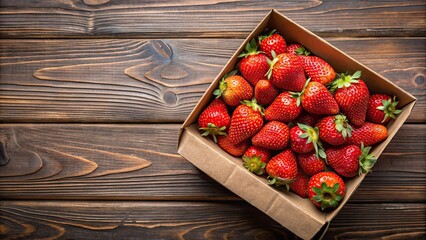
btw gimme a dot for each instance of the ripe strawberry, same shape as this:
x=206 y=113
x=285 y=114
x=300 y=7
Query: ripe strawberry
x=233 y=89
x=215 y=119
x=233 y=149
x=381 y=108
x=282 y=169
x=352 y=95
x=246 y=121
x=307 y=119
x=283 y=108
x=310 y=164
x=255 y=159
x=274 y=136
x=316 y=99
x=272 y=42
x=254 y=64
x=348 y=161
x=300 y=185
x=326 y=190
x=293 y=47
x=318 y=69
x=369 y=134
x=286 y=72
x=305 y=139
x=265 y=92
x=334 y=129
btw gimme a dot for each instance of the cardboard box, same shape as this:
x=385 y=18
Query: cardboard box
x=296 y=214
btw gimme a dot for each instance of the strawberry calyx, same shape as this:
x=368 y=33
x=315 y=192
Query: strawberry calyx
x=302 y=51
x=253 y=104
x=327 y=196
x=271 y=64
x=277 y=181
x=223 y=85
x=266 y=35
x=312 y=135
x=250 y=49
x=389 y=108
x=342 y=125
x=298 y=95
x=344 y=81
x=366 y=160
x=213 y=130
x=254 y=164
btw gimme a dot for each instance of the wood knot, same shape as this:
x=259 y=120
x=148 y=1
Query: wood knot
x=170 y=97
x=4 y=158
x=95 y=2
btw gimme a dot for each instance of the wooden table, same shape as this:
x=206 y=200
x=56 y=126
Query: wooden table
x=93 y=92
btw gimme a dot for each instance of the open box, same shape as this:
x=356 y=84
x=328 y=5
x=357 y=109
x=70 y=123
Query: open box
x=296 y=214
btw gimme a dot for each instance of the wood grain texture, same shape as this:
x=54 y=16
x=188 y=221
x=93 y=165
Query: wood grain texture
x=103 y=18
x=194 y=220
x=155 y=80
x=112 y=162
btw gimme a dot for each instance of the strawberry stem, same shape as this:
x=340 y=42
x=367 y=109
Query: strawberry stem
x=327 y=196
x=253 y=104
x=389 y=108
x=213 y=130
x=345 y=81
x=366 y=160
x=254 y=164
x=312 y=135
x=342 y=125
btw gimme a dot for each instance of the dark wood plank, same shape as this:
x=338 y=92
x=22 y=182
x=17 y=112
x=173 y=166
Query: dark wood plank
x=155 y=80
x=140 y=162
x=105 y=18
x=194 y=220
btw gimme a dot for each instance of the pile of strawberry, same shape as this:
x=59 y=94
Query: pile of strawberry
x=288 y=113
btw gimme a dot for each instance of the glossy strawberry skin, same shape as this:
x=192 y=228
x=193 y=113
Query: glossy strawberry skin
x=291 y=48
x=318 y=69
x=307 y=118
x=283 y=108
x=328 y=132
x=299 y=144
x=245 y=122
x=274 y=136
x=283 y=166
x=310 y=164
x=237 y=89
x=344 y=160
x=316 y=99
x=375 y=115
x=264 y=154
x=288 y=73
x=330 y=179
x=300 y=185
x=265 y=92
x=236 y=150
x=369 y=134
x=353 y=101
x=254 y=67
x=216 y=113
x=275 y=43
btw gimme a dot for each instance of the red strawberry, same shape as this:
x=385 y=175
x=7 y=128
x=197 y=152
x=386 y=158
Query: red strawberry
x=293 y=47
x=272 y=42
x=274 y=136
x=369 y=134
x=305 y=139
x=286 y=72
x=282 y=169
x=352 y=95
x=381 y=108
x=310 y=164
x=233 y=89
x=254 y=64
x=326 y=190
x=265 y=92
x=233 y=149
x=351 y=160
x=307 y=119
x=283 y=108
x=214 y=120
x=334 y=129
x=255 y=159
x=318 y=69
x=246 y=121
x=316 y=99
x=300 y=185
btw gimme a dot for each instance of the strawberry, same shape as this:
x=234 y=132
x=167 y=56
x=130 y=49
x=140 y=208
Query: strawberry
x=265 y=92
x=274 y=136
x=286 y=72
x=381 y=108
x=233 y=89
x=349 y=161
x=233 y=149
x=369 y=134
x=305 y=139
x=352 y=95
x=255 y=159
x=215 y=119
x=293 y=47
x=310 y=164
x=334 y=129
x=282 y=168
x=307 y=119
x=254 y=64
x=326 y=190
x=300 y=185
x=316 y=99
x=272 y=42
x=283 y=108
x=318 y=69
x=246 y=121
